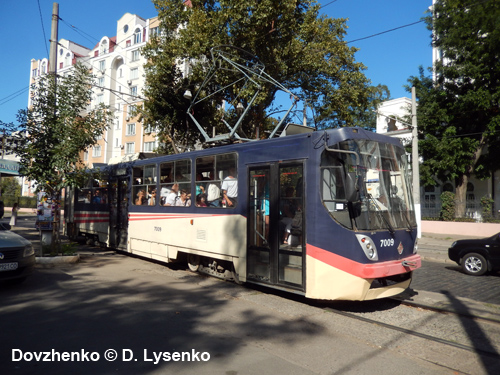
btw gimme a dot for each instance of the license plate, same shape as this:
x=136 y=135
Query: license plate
x=8 y=266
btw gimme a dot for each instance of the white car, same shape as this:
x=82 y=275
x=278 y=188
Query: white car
x=17 y=256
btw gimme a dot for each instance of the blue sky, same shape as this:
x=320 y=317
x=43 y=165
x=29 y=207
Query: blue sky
x=390 y=58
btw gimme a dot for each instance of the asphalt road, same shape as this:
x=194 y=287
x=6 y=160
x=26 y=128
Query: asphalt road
x=112 y=314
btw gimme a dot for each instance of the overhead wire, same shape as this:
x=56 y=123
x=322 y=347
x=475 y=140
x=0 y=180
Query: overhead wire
x=43 y=28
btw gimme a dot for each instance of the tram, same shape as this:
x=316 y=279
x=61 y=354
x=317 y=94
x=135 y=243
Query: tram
x=326 y=214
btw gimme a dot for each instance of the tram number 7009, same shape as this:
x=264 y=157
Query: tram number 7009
x=387 y=242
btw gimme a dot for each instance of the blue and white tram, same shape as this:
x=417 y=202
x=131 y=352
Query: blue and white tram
x=325 y=214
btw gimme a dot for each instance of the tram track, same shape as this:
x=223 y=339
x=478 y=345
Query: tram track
x=434 y=338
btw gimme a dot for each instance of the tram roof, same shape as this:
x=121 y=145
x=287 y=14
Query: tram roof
x=333 y=136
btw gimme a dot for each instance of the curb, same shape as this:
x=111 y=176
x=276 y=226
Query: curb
x=61 y=259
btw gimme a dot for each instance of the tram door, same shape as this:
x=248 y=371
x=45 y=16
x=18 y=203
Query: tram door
x=276 y=224
x=118 y=213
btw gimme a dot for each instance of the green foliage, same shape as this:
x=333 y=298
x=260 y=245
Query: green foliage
x=53 y=134
x=487 y=204
x=447 y=206
x=459 y=114
x=300 y=48
x=10 y=187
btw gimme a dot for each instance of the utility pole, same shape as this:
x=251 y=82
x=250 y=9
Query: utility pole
x=53 y=40
x=415 y=168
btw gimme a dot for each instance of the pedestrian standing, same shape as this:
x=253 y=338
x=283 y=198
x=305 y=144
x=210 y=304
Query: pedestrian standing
x=13 y=216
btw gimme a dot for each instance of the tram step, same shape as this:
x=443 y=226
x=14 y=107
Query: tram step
x=291 y=274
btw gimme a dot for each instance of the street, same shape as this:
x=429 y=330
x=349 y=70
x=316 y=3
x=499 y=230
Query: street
x=115 y=313
x=449 y=278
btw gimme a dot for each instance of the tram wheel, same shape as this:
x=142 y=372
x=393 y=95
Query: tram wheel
x=193 y=262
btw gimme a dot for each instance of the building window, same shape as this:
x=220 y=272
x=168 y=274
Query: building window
x=134 y=73
x=128 y=43
x=137 y=36
x=150 y=129
x=99 y=99
x=135 y=55
x=133 y=91
x=155 y=31
x=96 y=151
x=129 y=148
x=130 y=129
x=102 y=65
x=149 y=146
x=85 y=156
x=34 y=73
x=104 y=47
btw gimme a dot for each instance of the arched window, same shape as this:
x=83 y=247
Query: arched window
x=137 y=36
x=104 y=47
x=448 y=187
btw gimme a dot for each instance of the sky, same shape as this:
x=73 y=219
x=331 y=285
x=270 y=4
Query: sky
x=390 y=58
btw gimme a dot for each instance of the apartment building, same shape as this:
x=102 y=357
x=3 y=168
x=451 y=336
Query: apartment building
x=117 y=64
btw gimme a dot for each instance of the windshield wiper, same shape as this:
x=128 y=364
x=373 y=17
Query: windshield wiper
x=377 y=209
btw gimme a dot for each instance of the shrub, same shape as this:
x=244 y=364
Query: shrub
x=447 y=206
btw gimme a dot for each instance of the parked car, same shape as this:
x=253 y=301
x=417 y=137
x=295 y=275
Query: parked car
x=477 y=256
x=17 y=256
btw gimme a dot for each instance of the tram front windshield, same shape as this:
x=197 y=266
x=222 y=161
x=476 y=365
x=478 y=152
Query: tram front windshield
x=365 y=185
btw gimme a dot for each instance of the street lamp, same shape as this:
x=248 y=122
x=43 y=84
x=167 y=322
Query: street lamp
x=188 y=95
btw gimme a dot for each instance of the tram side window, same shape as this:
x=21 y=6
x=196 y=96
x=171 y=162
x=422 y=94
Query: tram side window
x=144 y=185
x=94 y=192
x=333 y=190
x=175 y=183
x=217 y=181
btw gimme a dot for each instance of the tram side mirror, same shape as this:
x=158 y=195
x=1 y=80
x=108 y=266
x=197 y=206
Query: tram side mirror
x=351 y=187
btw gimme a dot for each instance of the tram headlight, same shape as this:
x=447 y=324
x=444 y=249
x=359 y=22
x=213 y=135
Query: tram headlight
x=368 y=246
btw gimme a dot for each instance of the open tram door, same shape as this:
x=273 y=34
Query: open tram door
x=118 y=211
x=276 y=240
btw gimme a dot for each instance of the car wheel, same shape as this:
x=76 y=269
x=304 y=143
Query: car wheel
x=474 y=264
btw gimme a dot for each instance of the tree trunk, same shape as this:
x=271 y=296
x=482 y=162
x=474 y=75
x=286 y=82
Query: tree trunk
x=56 y=207
x=461 y=195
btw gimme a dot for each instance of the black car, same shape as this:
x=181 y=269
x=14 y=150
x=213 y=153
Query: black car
x=17 y=256
x=477 y=256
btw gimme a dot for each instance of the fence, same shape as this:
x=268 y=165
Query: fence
x=473 y=210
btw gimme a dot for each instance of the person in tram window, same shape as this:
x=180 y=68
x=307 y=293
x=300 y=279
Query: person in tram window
x=97 y=197
x=152 y=198
x=230 y=188
x=141 y=198
x=201 y=200
x=183 y=199
x=213 y=192
x=172 y=196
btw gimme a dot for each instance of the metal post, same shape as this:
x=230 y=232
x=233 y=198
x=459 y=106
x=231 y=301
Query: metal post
x=415 y=169
x=53 y=40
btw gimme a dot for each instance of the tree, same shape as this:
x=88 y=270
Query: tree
x=299 y=48
x=458 y=112
x=55 y=131
x=10 y=187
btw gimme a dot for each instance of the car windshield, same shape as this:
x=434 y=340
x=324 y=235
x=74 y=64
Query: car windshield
x=365 y=185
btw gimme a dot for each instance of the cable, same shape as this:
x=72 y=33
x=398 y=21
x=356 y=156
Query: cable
x=43 y=28
x=385 y=32
x=13 y=95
